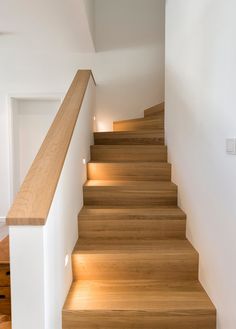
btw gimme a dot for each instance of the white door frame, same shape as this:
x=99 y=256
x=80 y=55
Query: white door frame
x=10 y=109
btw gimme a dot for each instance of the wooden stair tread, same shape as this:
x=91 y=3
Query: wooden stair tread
x=121 y=246
x=130 y=213
x=129 y=192
x=138 y=295
x=134 y=184
x=131 y=132
x=144 y=119
x=132 y=223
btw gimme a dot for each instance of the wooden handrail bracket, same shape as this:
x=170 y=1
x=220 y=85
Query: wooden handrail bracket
x=33 y=201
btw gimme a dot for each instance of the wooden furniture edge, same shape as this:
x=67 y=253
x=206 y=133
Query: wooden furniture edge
x=33 y=201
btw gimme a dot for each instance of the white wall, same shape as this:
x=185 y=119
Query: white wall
x=39 y=253
x=200 y=115
x=90 y=11
x=129 y=38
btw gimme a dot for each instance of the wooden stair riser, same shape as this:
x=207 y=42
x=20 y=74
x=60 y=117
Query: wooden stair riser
x=122 y=196
x=137 y=320
x=154 y=111
x=135 y=266
x=129 y=171
x=129 y=138
x=141 y=229
x=125 y=153
x=150 y=123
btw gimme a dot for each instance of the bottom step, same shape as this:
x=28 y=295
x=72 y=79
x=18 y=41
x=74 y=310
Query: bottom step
x=138 y=305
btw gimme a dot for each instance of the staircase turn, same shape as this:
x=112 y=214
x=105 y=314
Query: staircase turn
x=132 y=265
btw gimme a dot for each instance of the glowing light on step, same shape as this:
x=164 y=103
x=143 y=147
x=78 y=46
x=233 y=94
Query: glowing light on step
x=94 y=118
x=66 y=260
x=84 y=161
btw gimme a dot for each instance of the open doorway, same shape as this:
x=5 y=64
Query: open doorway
x=30 y=120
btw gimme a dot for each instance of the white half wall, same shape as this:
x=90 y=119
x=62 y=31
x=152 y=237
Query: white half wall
x=41 y=265
x=200 y=115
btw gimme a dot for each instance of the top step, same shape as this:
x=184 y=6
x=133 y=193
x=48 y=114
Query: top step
x=154 y=110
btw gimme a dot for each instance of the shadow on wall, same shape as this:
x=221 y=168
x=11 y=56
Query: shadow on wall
x=128 y=24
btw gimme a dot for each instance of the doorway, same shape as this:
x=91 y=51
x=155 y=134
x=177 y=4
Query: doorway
x=31 y=119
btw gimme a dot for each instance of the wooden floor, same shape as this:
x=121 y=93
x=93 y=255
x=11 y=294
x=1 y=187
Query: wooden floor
x=5 y=302
x=133 y=267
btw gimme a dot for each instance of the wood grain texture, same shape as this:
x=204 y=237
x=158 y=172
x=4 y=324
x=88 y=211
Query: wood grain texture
x=132 y=223
x=131 y=213
x=5 y=306
x=4 y=318
x=163 y=297
x=144 y=171
x=98 y=192
x=154 y=110
x=149 y=123
x=155 y=137
x=5 y=325
x=5 y=293
x=4 y=251
x=115 y=259
x=132 y=229
x=138 y=304
x=34 y=199
x=124 y=153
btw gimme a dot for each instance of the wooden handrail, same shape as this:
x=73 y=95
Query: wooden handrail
x=34 y=199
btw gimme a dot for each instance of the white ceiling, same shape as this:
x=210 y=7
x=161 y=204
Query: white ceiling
x=45 y=25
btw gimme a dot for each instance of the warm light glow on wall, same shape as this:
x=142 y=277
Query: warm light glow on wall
x=66 y=260
x=103 y=126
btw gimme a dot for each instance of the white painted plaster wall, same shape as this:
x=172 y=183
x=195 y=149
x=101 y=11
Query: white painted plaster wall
x=200 y=115
x=129 y=40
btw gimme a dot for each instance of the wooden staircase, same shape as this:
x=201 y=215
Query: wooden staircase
x=132 y=265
